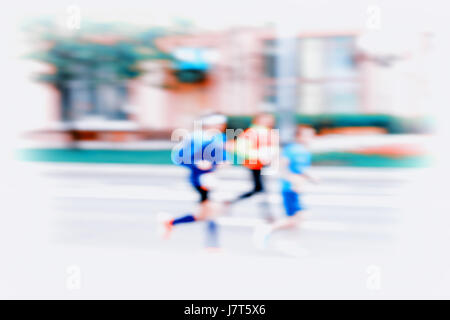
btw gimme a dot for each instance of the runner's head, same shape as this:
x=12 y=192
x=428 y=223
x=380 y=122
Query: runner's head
x=264 y=119
x=214 y=121
x=304 y=134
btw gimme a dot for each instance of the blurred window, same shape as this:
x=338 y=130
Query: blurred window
x=341 y=97
x=86 y=98
x=326 y=73
x=339 y=53
x=270 y=58
x=311 y=58
x=311 y=98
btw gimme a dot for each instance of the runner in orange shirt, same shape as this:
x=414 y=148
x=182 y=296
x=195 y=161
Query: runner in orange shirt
x=255 y=149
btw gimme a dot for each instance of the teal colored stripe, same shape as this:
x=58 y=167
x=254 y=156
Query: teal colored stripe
x=369 y=160
x=162 y=157
x=96 y=156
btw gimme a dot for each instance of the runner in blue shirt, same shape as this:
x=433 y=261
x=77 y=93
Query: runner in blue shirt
x=201 y=152
x=294 y=163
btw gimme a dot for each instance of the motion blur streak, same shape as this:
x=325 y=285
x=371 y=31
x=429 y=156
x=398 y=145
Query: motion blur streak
x=332 y=183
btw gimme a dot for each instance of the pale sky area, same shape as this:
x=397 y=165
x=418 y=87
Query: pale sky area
x=314 y=15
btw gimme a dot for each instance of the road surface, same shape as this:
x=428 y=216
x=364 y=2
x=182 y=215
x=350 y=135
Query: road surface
x=101 y=221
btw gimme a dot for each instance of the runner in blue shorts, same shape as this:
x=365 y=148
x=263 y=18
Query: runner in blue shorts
x=294 y=163
x=201 y=152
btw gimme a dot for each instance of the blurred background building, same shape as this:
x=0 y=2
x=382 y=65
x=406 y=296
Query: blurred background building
x=107 y=83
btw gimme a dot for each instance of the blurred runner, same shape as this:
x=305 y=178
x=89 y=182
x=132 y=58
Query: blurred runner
x=201 y=152
x=294 y=163
x=255 y=149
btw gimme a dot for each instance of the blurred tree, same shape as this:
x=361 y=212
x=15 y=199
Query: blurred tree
x=86 y=60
